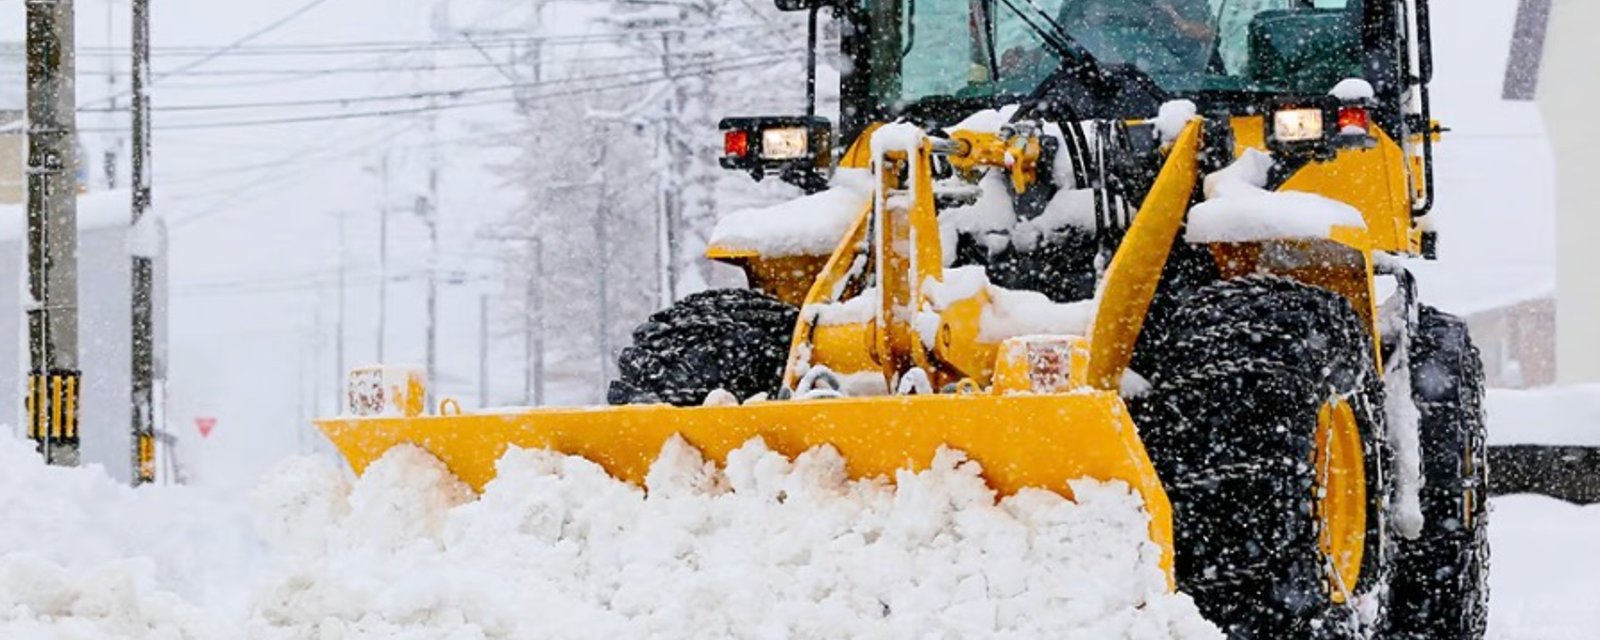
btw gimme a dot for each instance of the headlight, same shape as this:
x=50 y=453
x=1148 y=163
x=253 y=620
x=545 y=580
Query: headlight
x=1297 y=125
x=788 y=143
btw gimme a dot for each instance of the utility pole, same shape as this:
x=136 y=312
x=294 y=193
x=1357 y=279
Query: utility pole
x=533 y=330
x=431 y=210
x=427 y=208
x=339 y=370
x=142 y=402
x=602 y=247
x=672 y=190
x=53 y=376
x=383 y=257
x=110 y=155
x=533 y=322
x=483 y=350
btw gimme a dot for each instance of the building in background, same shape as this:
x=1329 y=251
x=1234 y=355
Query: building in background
x=13 y=103
x=1517 y=338
x=1567 y=93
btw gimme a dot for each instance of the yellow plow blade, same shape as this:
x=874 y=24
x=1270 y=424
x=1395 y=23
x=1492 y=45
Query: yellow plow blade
x=1021 y=441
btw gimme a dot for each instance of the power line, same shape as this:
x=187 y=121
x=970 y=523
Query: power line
x=219 y=52
x=281 y=71
x=380 y=113
x=446 y=93
x=236 y=44
x=401 y=46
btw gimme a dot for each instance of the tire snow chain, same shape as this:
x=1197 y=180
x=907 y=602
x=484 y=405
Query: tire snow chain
x=1228 y=369
x=1236 y=471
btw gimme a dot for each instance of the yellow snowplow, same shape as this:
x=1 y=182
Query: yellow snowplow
x=1082 y=238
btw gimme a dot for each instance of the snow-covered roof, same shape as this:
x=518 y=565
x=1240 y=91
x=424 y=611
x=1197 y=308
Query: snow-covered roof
x=96 y=210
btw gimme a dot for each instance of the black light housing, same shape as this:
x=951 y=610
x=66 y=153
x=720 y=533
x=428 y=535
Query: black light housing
x=798 y=149
x=1317 y=128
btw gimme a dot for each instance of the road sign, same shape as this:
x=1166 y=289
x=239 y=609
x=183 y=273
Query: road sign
x=205 y=425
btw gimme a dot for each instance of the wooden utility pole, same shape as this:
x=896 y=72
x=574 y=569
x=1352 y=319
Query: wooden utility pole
x=53 y=376
x=383 y=260
x=483 y=350
x=142 y=407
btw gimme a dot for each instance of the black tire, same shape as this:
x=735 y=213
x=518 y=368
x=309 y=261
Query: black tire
x=1231 y=419
x=732 y=339
x=1441 y=582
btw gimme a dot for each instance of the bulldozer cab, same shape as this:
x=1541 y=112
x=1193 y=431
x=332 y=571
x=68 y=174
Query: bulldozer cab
x=938 y=60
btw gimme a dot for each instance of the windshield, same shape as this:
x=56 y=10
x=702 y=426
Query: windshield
x=987 y=48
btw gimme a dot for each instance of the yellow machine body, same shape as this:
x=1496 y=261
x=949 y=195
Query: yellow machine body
x=1022 y=437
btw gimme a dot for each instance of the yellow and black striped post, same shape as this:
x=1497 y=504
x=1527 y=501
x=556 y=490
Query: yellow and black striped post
x=52 y=401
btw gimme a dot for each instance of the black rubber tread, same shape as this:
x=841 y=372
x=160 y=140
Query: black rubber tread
x=732 y=339
x=1237 y=379
x=1441 y=584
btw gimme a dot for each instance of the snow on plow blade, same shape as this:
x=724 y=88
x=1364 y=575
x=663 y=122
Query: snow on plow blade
x=1021 y=441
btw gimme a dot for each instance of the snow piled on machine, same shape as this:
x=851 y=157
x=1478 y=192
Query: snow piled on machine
x=1239 y=208
x=808 y=225
x=555 y=548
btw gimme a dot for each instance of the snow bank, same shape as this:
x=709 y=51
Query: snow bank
x=808 y=225
x=555 y=548
x=41 y=599
x=1543 y=570
x=1567 y=416
x=1238 y=208
x=766 y=548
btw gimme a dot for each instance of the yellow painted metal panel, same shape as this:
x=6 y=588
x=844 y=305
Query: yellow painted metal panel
x=1371 y=180
x=72 y=407
x=1135 y=270
x=1021 y=440
x=56 y=387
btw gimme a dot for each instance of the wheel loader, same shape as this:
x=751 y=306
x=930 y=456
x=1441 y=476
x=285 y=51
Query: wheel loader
x=1155 y=241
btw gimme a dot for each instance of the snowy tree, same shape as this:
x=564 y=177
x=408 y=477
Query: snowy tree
x=625 y=126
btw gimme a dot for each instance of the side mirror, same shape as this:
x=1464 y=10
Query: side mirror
x=799 y=149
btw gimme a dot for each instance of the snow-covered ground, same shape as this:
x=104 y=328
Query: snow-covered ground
x=554 y=548
x=766 y=548
x=1544 y=575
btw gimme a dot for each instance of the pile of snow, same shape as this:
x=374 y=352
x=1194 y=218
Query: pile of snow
x=1238 y=208
x=767 y=548
x=1008 y=314
x=555 y=548
x=808 y=225
x=1566 y=416
x=1353 y=90
x=1173 y=117
x=83 y=556
x=1543 y=569
x=989 y=219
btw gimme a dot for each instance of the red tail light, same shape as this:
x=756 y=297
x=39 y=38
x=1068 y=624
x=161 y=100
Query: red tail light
x=736 y=143
x=1354 y=117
